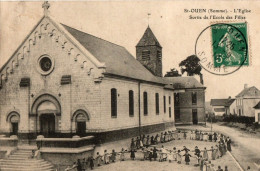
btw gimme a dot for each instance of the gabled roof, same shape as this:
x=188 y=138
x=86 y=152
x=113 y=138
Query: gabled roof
x=117 y=59
x=148 y=39
x=257 y=106
x=183 y=82
x=251 y=91
x=221 y=102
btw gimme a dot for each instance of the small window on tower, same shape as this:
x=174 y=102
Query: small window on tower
x=159 y=55
x=146 y=55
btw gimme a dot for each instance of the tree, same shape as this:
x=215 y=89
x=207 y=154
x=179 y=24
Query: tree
x=173 y=73
x=191 y=66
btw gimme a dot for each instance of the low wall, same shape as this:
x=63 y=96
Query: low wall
x=74 y=142
x=64 y=157
x=9 y=141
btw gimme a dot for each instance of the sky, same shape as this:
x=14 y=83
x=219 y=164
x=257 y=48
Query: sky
x=124 y=23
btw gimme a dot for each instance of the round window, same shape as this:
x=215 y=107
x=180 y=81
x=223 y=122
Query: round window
x=45 y=65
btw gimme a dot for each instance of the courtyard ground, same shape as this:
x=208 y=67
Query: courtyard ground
x=137 y=164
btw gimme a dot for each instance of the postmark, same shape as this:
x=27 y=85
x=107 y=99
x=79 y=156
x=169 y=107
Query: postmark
x=223 y=48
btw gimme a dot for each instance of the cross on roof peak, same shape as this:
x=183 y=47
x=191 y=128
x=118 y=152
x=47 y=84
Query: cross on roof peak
x=46 y=5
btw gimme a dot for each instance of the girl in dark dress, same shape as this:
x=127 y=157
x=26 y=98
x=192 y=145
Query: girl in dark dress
x=152 y=139
x=155 y=153
x=113 y=156
x=91 y=162
x=187 y=157
x=137 y=143
x=132 y=154
x=215 y=136
x=228 y=144
x=132 y=147
x=151 y=154
x=79 y=167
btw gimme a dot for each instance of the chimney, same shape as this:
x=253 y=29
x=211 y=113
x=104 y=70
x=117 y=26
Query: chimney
x=245 y=86
x=229 y=97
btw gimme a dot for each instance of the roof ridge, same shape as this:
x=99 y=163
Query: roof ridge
x=92 y=35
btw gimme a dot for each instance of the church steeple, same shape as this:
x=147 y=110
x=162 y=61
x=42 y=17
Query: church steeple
x=149 y=52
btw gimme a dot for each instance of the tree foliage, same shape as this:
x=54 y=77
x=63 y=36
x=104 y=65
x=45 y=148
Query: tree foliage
x=173 y=73
x=191 y=66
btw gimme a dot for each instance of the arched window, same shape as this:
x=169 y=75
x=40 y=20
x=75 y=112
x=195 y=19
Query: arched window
x=113 y=103
x=157 y=109
x=145 y=96
x=131 y=103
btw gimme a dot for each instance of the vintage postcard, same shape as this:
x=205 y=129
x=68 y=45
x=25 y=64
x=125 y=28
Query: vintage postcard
x=129 y=85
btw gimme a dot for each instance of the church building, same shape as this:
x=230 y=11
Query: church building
x=62 y=82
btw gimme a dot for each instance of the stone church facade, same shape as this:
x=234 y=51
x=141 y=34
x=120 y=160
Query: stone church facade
x=62 y=82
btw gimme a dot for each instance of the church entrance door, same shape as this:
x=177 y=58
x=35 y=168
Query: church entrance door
x=14 y=128
x=81 y=128
x=47 y=122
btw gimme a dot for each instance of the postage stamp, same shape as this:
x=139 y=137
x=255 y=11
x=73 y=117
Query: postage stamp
x=223 y=48
x=229 y=45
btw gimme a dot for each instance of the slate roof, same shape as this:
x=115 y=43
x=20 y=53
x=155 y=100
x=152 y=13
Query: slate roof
x=221 y=102
x=148 y=39
x=251 y=91
x=117 y=59
x=257 y=106
x=183 y=82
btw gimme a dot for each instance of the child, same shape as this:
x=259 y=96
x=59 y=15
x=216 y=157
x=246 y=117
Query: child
x=132 y=147
x=146 y=153
x=155 y=153
x=151 y=154
x=170 y=156
x=184 y=135
x=84 y=164
x=147 y=141
x=213 y=153
x=217 y=152
x=201 y=162
x=99 y=159
x=163 y=154
x=187 y=157
x=162 y=138
x=106 y=157
x=122 y=155
x=215 y=136
x=191 y=135
x=179 y=157
x=91 y=162
x=137 y=143
x=205 y=136
x=201 y=136
x=113 y=156
x=174 y=153
x=132 y=154
x=226 y=168
x=205 y=154
x=210 y=137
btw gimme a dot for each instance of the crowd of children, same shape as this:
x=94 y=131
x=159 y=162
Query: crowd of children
x=147 y=146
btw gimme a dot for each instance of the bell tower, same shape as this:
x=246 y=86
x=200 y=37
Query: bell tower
x=149 y=52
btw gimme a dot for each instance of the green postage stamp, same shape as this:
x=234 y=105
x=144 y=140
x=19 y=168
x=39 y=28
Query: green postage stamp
x=229 y=44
